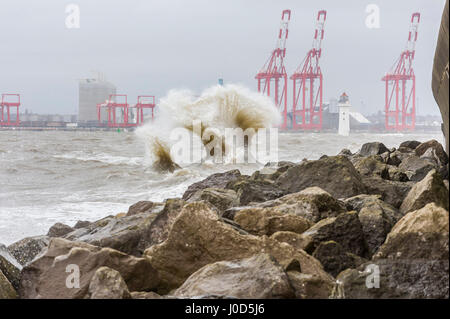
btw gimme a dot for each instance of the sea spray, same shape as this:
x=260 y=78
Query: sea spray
x=216 y=109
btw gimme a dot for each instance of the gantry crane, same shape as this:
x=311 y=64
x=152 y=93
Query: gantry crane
x=400 y=87
x=307 y=84
x=274 y=70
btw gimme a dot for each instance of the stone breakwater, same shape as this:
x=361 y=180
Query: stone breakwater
x=311 y=229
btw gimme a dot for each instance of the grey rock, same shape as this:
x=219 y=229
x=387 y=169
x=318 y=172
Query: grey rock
x=25 y=250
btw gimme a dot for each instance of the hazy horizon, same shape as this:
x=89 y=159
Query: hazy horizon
x=150 y=47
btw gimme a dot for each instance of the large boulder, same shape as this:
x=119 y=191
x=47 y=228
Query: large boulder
x=59 y=230
x=411 y=145
x=376 y=224
x=107 y=283
x=412 y=263
x=376 y=217
x=26 y=249
x=255 y=190
x=312 y=203
x=54 y=274
x=9 y=266
x=298 y=241
x=430 y=189
x=199 y=237
x=334 y=174
x=416 y=168
x=158 y=228
x=334 y=258
x=218 y=180
x=256 y=277
x=7 y=291
x=265 y=221
x=373 y=148
x=435 y=148
x=221 y=198
x=307 y=286
x=359 y=202
x=121 y=233
x=396 y=174
x=391 y=192
x=143 y=207
x=345 y=229
x=372 y=165
x=398 y=279
x=394 y=158
x=421 y=234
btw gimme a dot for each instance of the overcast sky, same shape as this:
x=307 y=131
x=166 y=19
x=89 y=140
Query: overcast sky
x=150 y=47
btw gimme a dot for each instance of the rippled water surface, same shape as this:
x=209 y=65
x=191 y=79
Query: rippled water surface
x=58 y=176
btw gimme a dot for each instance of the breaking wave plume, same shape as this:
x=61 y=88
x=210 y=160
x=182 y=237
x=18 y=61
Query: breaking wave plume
x=217 y=108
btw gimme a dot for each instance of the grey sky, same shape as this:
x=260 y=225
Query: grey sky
x=149 y=47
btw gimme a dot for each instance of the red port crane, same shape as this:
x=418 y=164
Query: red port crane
x=307 y=84
x=400 y=92
x=10 y=101
x=115 y=101
x=274 y=70
x=143 y=102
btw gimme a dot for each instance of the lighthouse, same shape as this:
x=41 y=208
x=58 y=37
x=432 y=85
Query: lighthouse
x=344 y=115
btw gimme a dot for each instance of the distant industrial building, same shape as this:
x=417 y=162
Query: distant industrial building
x=92 y=91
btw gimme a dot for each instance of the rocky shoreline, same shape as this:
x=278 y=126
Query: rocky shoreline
x=321 y=228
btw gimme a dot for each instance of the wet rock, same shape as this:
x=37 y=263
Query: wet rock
x=312 y=203
x=9 y=266
x=107 y=283
x=256 y=277
x=372 y=165
x=374 y=148
x=376 y=217
x=7 y=291
x=396 y=174
x=412 y=145
x=81 y=224
x=54 y=274
x=265 y=221
x=373 y=201
x=412 y=263
x=307 y=286
x=298 y=241
x=395 y=158
x=376 y=225
x=436 y=149
x=142 y=207
x=198 y=237
x=221 y=198
x=334 y=174
x=430 y=189
x=391 y=192
x=398 y=279
x=345 y=229
x=255 y=190
x=281 y=166
x=26 y=249
x=123 y=234
x=345 y=152
x=334 y=258
x=59 y=230
x=420 y=234
x=158 y=228
x=416 y=168
x=218 y=180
